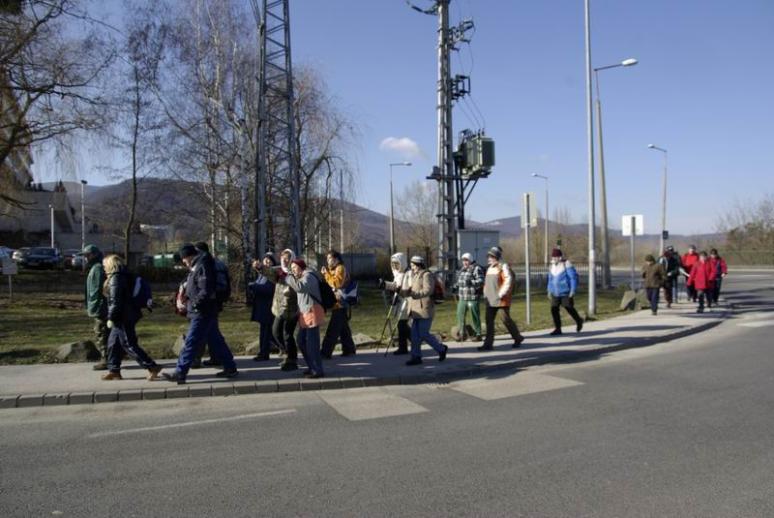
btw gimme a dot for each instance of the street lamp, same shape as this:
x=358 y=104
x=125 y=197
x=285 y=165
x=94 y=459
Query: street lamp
x=392 y=208
x=545 y=244
x=592 y=305
x=83 y=220
x=663 y=194
x=606 y=275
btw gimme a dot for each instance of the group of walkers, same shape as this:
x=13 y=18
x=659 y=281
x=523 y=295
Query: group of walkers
x=290 y=300
x=704 y=274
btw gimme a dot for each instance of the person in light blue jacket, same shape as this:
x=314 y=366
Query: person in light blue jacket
x=562 y=285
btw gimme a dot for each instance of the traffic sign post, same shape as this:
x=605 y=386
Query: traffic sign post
x=632 y=225
x=10 y=269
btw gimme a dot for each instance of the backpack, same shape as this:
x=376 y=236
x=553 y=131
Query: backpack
x=349 y=293
x=328 y=298
x=222 y=282
x=142 y=296
x=439 y=290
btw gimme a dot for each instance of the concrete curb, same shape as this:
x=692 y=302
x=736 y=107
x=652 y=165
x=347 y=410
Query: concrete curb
x=296 y=385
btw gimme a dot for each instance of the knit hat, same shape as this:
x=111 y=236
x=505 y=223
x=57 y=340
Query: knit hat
x=91 y=249
x=467 y=256
x=556 y=253
x=187 y=250
x=299 y=262
x=649 y=258
x=495 y=252
x=417 y=260
x=271 y=256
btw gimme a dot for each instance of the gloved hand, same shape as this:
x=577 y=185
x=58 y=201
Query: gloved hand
x=110 y=324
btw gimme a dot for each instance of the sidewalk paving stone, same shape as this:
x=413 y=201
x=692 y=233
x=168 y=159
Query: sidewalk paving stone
x=130 y=395
x=156 y=393
x=223 y=389
x=55 y=399
x=28 y=400
x=177 y=392
x=108 y=396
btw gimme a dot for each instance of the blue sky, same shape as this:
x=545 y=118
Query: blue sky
x=702 y=89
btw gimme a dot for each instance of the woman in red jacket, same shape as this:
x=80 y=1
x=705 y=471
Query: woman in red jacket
x=702 y=279
x=720 y=268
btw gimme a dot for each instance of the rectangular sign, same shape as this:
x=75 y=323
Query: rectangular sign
x=529 y=203
x=9 y=267
x=626 y=225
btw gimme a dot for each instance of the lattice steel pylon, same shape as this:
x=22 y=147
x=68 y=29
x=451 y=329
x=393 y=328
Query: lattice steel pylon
x=276 y=158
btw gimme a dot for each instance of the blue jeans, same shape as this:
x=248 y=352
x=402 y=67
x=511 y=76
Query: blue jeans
x=204 y=329
x=420 y=330
x=124 y=338
x=309 y=343
x=653 y=298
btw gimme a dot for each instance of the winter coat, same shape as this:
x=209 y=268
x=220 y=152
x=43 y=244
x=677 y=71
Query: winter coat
x=262 y=290
x=498 y=285
x=562 y=279
x=285 y=302
x=200 y=287
x=671 y=264
x=311 y=312
x=654 y=275
x=719 y=265
x=470 y=282
x=401 y=280
x=337 y=278
x=702 y=276
x=120 y=306
x=96 y=306
x=688 y=260
x=420 y=295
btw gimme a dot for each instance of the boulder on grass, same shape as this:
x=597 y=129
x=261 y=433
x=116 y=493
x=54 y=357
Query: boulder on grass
x=78 y=352
x=361 y=339
x=252 y=348
x=179 y=342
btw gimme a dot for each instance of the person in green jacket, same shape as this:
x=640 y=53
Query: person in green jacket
x=96 y=305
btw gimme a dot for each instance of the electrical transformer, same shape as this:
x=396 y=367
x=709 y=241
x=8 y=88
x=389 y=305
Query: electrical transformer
x=478 y=156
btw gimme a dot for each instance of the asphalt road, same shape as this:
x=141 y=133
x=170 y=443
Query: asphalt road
x=678 y=429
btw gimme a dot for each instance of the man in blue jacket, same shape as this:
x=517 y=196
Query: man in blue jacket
x=202 y=309
x=562 y=285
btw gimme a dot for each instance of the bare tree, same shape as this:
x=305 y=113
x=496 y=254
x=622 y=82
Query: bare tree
x=416 y=206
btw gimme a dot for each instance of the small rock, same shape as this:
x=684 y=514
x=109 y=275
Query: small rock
x=179 y=341
x=78 y=352
x=362 y=339
x=252 y=348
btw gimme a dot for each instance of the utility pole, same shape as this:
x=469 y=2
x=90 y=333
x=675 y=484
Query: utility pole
x=83 y=220
x=51 y=210
x=592 y=304
x=663 y=196
x=275 y=81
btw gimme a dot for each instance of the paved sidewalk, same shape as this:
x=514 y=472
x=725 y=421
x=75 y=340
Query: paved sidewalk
x=77 y=383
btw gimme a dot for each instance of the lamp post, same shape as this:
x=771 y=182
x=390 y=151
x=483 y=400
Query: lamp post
x=51 y=211
x=83 y=220
x=392 y=208
x=606 y=275
x=663 y=194
x=545 y=219
x=592 y=304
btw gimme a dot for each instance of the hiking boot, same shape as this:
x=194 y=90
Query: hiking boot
x=307 y=372
x=555 y=332
x=327 y=356
x=314 y=375
x=400 y=351
x=485 y=348
x=288 y=366
x=153 y=373
x=211 y=363
x=227 y=373
x=414 y=361
x=175 y=377
x=669 y=305
x=517 y=342
x=101 y=366
x=442 y=354
x=349 y=353
x=477 y=338
x=111 y=376
x=579 y=326
x=196 y=364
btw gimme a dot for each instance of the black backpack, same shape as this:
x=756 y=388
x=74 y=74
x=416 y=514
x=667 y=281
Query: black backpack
x=222 y=282
x=328 y=298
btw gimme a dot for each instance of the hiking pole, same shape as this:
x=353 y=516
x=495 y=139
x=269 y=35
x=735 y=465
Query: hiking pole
x=388 y=321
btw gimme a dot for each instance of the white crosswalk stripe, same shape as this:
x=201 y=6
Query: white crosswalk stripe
x=369 y=403
x=519 y=384
x=757 y=323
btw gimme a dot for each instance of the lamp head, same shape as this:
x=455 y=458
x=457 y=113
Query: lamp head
x=629 y=62
x=651 y=146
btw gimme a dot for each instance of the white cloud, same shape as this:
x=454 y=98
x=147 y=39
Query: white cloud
x=403 y=146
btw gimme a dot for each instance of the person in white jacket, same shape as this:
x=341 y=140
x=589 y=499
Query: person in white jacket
x=401 y=280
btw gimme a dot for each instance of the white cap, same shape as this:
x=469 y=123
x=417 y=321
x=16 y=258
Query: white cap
x=468 y=256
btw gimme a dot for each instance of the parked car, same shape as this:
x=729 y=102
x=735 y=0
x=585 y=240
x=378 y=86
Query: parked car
x=78 y=261
x=42 y=257
x=67 y=257
x=20 y=254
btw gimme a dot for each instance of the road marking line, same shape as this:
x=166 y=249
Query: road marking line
x=757 y=323
x=191 y=423
x=369 y=403
x=519 y=384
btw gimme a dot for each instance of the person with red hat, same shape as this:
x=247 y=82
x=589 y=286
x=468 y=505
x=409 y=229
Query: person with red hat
x=311 y=314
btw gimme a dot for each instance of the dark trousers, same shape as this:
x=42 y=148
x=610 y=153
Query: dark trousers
x=701 y=295
x=122 y=338
x=692 y=293
x=505 y=317
x=266 y=337
x=569 y=305
x=716 y=290
x=669 y=287
x=204 y=329
x=284 y=329
x=653 y=298
x=338 y=327
x=404 y=333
